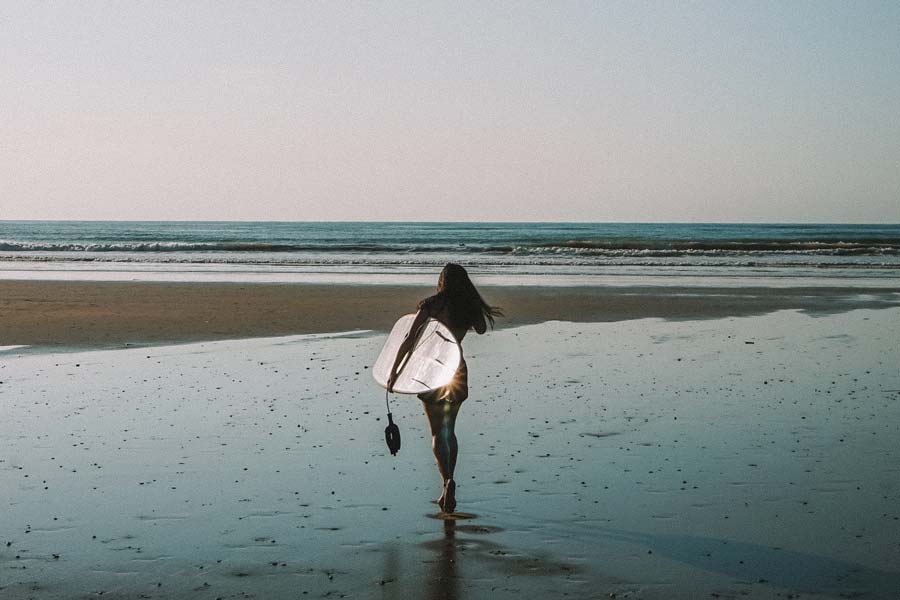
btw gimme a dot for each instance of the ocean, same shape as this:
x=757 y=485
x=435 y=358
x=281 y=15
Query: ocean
x=526 y=253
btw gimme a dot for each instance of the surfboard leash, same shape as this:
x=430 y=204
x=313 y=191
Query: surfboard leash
x=392 y=432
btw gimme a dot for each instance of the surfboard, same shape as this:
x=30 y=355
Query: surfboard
x=431 y=363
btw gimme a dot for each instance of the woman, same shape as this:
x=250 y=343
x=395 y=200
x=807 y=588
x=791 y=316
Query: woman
x=459 y=306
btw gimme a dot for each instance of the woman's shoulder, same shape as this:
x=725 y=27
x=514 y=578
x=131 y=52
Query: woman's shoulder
x=433 y=304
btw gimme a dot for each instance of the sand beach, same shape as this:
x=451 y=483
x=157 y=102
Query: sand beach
x=90 y=314
x=747 y=452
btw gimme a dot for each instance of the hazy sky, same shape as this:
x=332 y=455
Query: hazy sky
x=576 y=111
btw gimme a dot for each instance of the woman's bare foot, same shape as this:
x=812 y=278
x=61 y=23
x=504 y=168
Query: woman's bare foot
x=447 y=501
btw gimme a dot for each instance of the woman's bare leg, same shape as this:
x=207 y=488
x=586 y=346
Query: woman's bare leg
x=442 y=420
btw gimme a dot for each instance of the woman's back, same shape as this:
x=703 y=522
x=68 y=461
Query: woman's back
x=439 y=307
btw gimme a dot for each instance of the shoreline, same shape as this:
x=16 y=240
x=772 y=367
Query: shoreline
x=79 y=314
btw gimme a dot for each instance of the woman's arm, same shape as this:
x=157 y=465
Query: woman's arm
x=407 y=345
x=480 y=326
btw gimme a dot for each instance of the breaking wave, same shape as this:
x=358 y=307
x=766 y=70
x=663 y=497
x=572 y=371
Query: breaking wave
x=599 y=248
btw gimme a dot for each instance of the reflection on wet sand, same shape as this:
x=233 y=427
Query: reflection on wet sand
x=442 y=575
x=462 y=553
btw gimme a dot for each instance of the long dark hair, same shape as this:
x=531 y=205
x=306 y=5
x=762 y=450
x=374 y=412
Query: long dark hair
x=464 y=303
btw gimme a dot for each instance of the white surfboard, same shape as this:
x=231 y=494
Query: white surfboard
x=432 y=362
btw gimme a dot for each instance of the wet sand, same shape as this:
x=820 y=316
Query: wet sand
x=751 y=457
x=90 y=314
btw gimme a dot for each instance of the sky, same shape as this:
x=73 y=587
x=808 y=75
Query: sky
x=456 y=111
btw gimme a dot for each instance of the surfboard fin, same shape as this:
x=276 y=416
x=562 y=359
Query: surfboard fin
x=392 y=436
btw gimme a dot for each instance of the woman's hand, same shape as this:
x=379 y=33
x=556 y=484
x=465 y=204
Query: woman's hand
x=390 y=383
